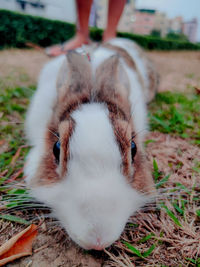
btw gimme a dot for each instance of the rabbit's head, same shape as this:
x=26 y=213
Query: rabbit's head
x=91 y=169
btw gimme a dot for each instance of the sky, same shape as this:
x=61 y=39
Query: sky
x=188 y=9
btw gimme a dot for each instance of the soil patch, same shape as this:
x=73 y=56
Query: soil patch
x=178 y=70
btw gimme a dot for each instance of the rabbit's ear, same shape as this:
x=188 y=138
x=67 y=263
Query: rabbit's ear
x=74 y=84
x=75 y=76
x=110 y=76
x=79 y=72
x=107 y=71
x=112 y=86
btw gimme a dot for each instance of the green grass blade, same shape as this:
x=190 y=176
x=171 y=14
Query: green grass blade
x=191 y=260
x=149 y=251
x=164 y=180
x=161 y=123
x=155 y=165
x=12 y=218
x=178 y=209
x=184 y=188
x=171 y=215
x=133 y=249
x=149 y=141
x=144 y=239
x=17 y=191
x=156 y=173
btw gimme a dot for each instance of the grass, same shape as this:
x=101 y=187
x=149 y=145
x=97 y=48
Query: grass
x=13 y=105
x=166 y=234
x=176 y=114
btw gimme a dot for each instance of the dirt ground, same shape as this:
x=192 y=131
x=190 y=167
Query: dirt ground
x=177 y=70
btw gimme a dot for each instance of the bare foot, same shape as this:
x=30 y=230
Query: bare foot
x=108 y=36
x=74 y=43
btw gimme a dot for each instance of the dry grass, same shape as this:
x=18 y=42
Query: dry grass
x=172 y=231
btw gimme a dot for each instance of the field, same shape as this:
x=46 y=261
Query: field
x=164 y=233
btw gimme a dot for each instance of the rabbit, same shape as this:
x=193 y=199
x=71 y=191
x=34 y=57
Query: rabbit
x=86 y=124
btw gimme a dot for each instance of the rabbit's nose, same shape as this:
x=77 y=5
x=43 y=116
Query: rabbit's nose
x=98 y=245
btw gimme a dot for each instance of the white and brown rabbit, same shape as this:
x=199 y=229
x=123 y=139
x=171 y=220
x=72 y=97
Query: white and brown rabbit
x=86 y=124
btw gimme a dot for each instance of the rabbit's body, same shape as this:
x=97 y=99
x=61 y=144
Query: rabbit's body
x=92 y=110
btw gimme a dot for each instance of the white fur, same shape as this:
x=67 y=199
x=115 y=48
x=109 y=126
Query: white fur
x=138 y=106
x=39 y=114
x=94 y=200
x=40 y=110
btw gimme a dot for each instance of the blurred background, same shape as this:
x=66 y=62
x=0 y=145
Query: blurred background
x=174 y=19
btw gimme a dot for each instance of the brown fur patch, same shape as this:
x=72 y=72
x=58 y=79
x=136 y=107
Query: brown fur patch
x=72 y=104
x=128 y=59
x=122 y=52
x=152 y=74
x=143 y=180
x=75 y=88
x=66 y=129
x=62 y=75
x=49 y=171
x=110 y=91
x=46 y=173
x=123 y=132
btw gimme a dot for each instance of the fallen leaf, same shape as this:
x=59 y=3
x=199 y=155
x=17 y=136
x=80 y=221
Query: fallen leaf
x=197 y=90
x=19 y=245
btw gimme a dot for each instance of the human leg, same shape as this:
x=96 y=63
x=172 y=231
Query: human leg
x=82 y=31
x=114 y=13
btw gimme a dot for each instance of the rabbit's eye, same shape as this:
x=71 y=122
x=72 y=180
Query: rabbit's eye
x=133 y=150
x=56 y=151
